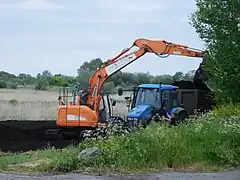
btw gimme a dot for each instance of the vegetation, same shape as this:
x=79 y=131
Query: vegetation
x=42 y=81
x=45 y=80
x=218 y=24
x=126 y=79
x=208 y=142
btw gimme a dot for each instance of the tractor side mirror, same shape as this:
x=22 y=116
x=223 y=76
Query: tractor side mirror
x=114 y=102
x=120 y=91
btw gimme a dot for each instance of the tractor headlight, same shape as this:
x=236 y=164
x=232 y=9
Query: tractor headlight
x=132 y=119
x=129 y=118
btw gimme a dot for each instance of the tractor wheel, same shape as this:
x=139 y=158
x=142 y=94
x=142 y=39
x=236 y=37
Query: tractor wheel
x=181 y=117
x=152 y=122
x=178 y=119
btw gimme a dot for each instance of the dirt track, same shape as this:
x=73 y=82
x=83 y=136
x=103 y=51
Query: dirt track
x=230 y=175
x=16 y=136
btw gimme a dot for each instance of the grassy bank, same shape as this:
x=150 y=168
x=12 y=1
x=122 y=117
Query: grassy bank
x=211 y=141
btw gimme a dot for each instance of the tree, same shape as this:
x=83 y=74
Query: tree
x=25 y=79
x=165 y=79
x=189 y=75
x=178 y=76
x=90 y=66
x=3 y=84
x=86 y=70
x=42 y=81
x=217 y=23
x=143 y=78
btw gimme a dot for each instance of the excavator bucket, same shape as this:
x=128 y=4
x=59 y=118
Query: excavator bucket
x=201 y=76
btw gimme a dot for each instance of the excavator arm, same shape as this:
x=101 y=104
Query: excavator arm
x=159 y=47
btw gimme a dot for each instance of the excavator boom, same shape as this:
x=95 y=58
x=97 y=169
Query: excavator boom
x=158 y=47
x=162 y=47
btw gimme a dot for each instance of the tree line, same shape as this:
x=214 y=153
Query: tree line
x=46 y=79
x=127 y=79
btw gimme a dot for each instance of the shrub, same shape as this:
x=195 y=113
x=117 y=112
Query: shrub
x=13 y=101
x=65 y=84
x=204 y=141
x=40 y=86
x=3 y=84
x=13 y=86
x=226 y=110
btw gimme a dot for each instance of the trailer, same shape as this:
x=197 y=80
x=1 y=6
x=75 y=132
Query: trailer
x=195 y=97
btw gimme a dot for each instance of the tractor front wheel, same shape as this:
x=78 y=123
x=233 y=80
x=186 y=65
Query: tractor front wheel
x=178 y=119
x=182 y=116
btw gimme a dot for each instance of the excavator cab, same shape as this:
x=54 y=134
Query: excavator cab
x=106 y=107
x=74 y=97
x=69 y=113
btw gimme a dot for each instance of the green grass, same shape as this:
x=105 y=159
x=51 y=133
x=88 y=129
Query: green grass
x=209 y=142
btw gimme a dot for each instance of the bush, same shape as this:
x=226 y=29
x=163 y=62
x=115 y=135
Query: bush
x=203 y=142
x=64 y=163
x=226 y=110
x=13 y=101
x=3 y=84
x=40 y=86
x=65 y=84
x=13 y=86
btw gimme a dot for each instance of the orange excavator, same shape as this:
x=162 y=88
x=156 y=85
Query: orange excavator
x=86 y=111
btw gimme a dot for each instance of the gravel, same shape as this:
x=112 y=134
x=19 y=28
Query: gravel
x=228 y=175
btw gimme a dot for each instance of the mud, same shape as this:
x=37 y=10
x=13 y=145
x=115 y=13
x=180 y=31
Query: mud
x=21 y=136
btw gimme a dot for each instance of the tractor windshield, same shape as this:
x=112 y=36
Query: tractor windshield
x=149 y=96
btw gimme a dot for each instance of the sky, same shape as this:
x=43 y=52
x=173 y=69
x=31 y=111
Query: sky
x=59 y=35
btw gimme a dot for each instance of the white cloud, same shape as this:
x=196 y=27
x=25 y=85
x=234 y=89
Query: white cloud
x=34 y=5
x=122 y=21
x=123 y=12
x=134 y=5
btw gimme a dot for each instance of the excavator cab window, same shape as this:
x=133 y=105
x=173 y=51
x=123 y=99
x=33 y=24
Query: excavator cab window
x=66 y=96
x=170 y=99
x=103 y=109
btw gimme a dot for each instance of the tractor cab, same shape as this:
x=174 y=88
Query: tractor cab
x=147 y=100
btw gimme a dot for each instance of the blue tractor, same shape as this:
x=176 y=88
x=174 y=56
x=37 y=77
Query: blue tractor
x=152 y=102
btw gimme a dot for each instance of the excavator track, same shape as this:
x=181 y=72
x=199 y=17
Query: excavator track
x=54 y=134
